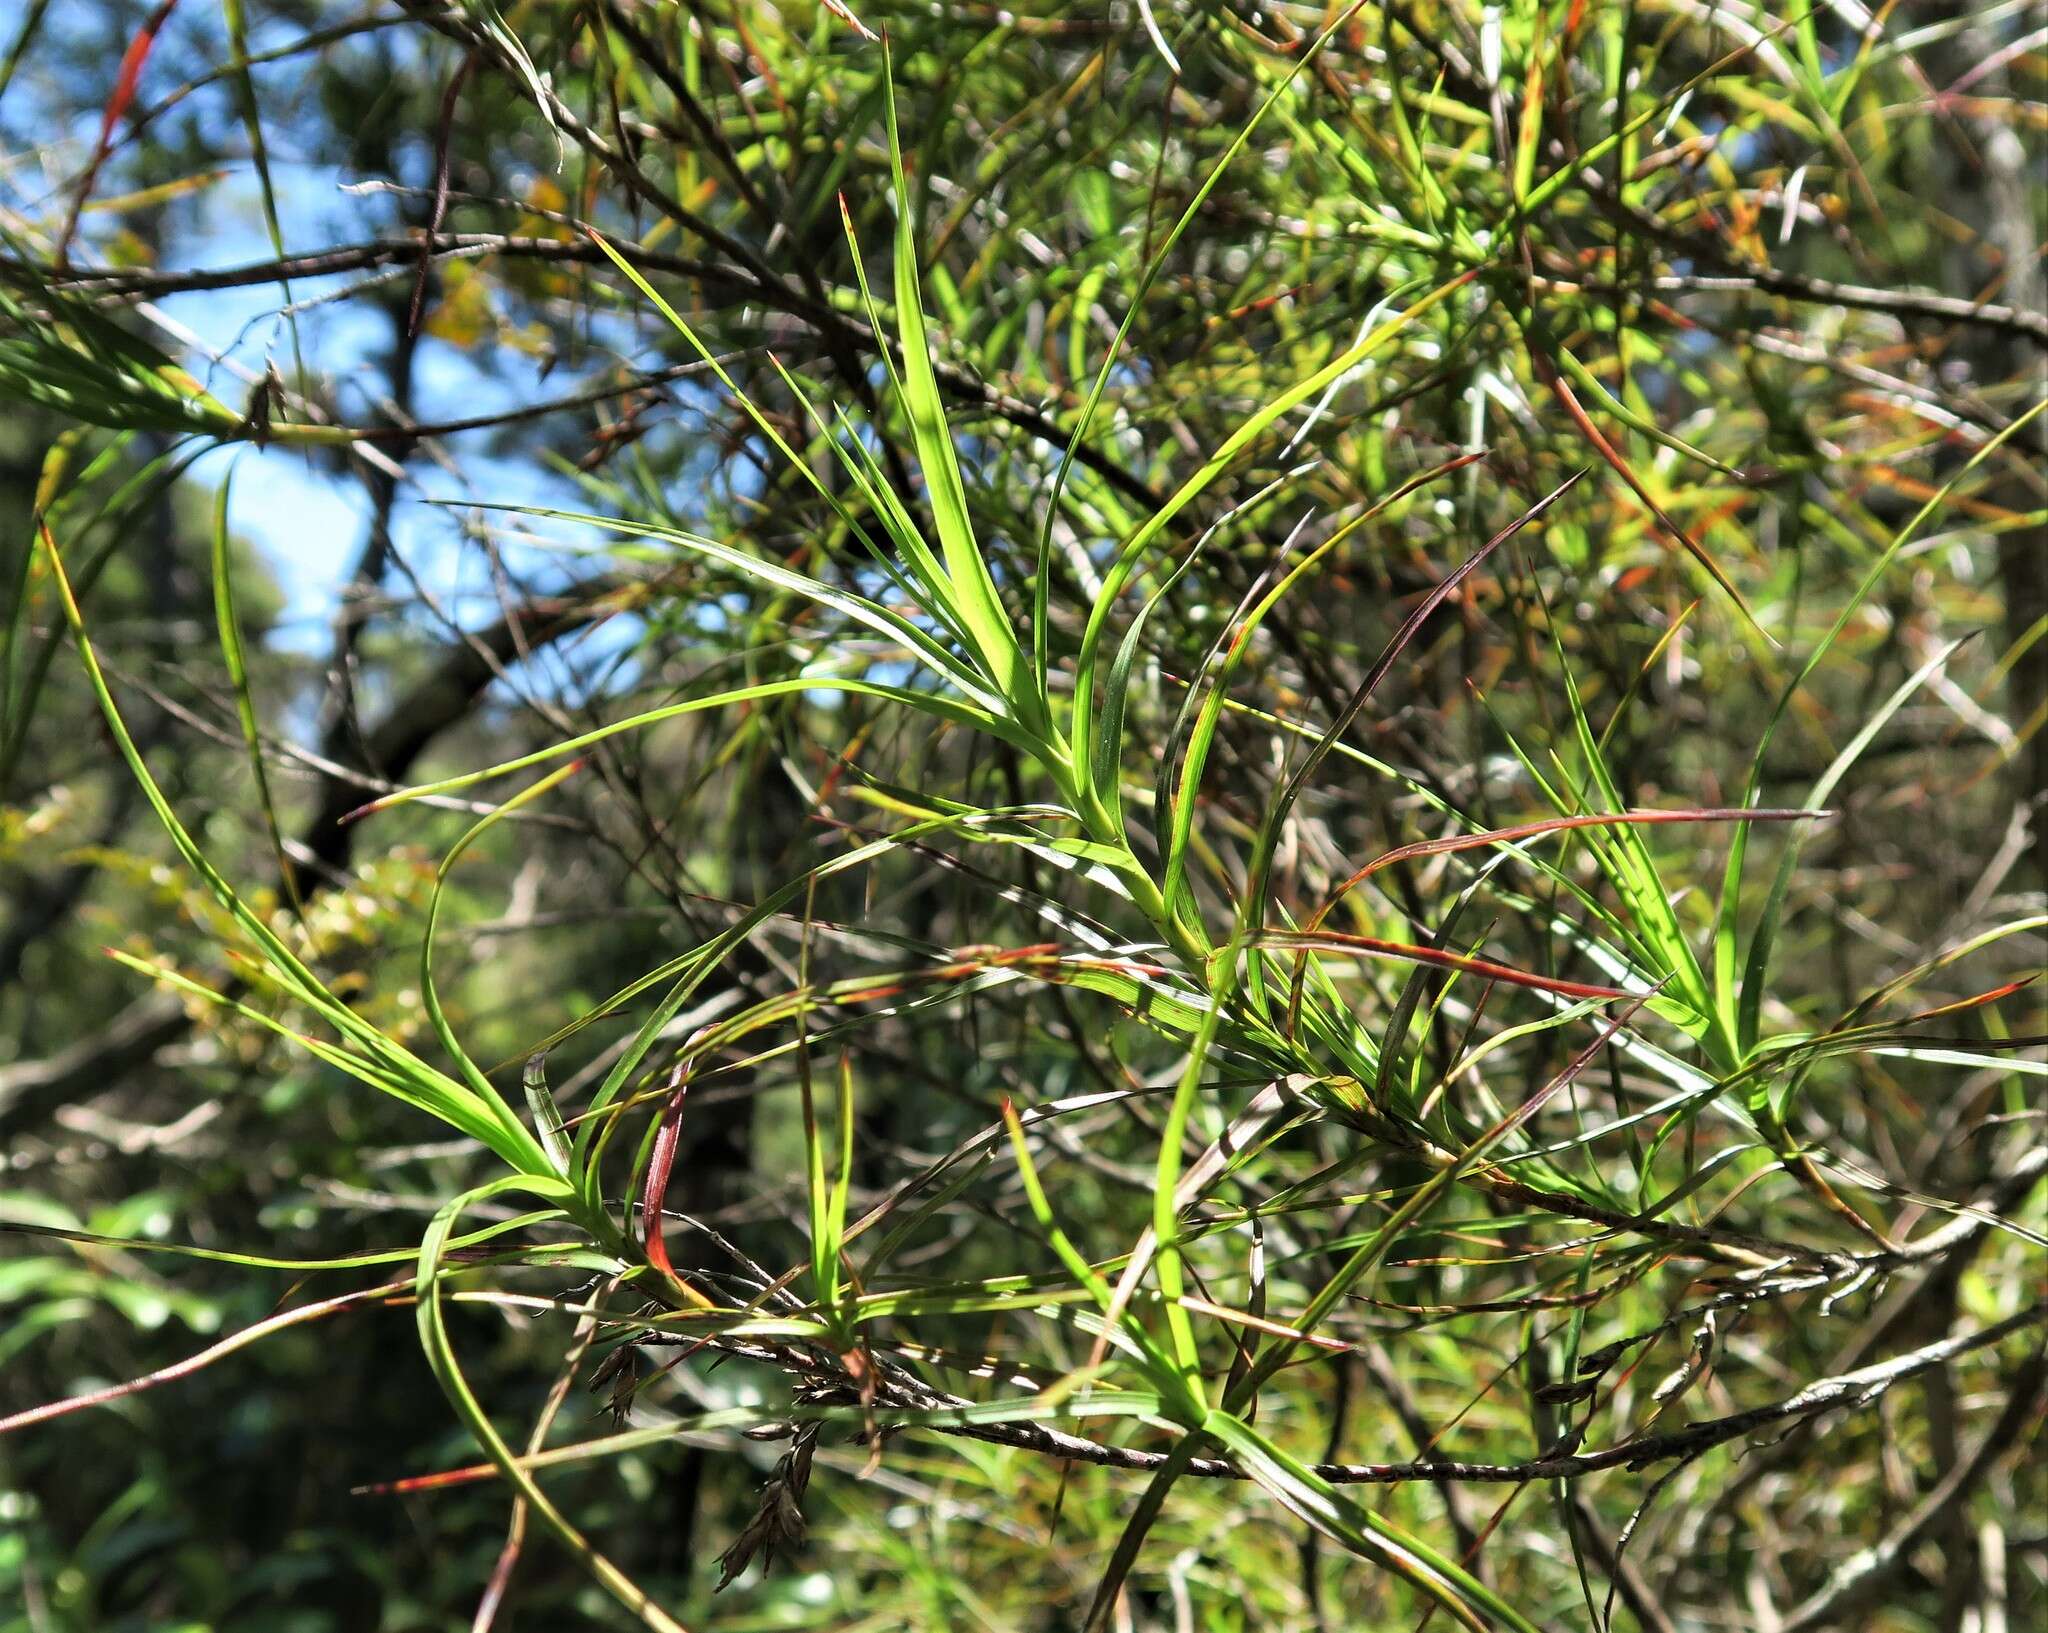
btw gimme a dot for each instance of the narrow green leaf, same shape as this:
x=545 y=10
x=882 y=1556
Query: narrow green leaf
x=981 y=608
x=233 y=652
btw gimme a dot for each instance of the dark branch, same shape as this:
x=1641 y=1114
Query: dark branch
x=32 y=1090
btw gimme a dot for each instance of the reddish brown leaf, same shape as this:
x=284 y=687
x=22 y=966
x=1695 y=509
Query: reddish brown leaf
x=125 y=80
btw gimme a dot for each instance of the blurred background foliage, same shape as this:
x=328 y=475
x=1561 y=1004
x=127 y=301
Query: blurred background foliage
x=1769 y=275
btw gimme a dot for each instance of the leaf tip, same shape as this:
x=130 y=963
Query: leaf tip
x=381 y=802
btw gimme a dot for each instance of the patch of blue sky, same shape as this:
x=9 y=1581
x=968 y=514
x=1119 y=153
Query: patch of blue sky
x=308 y=516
